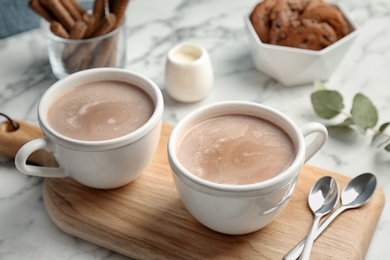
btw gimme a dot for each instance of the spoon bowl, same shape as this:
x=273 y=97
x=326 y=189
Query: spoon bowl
x=324 y=195
x=358 y=191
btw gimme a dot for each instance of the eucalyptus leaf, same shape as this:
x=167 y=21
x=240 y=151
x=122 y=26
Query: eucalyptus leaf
x=327 y=103
x=364 y=113
x=346 y=123
x=387 y=147
x=380 y=138
x=383 y=127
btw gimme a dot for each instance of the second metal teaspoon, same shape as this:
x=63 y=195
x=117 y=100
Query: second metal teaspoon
x=355 y=194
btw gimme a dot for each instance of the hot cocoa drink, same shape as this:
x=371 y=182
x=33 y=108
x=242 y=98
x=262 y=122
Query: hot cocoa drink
x=236 y=149
x=100 y=110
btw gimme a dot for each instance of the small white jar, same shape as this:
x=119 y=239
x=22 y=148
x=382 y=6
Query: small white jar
x=188 y=73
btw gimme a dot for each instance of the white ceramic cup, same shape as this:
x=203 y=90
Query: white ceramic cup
x=98 y=164
x=241 y=209
x=188 y=73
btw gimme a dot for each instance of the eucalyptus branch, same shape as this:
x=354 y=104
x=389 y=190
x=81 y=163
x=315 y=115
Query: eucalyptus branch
x=329 y=103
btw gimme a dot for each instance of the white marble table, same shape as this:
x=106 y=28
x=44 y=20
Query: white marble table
x=26 y=232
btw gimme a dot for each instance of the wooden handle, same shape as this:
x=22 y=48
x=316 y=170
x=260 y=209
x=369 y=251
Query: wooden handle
x=11 y=140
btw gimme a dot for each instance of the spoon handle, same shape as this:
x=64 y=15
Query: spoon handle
x=297 y=250
x=310 y=239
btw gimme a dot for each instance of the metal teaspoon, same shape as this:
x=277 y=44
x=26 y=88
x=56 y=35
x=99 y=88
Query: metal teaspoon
x=323 y=197
x=355 y=194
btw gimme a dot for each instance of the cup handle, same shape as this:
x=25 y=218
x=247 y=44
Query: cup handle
x=26 y=150
x=319 y=140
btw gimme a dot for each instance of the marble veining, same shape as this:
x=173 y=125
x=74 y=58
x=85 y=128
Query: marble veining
x=154 y=27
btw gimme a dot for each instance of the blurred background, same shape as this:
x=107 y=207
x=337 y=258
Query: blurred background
x=16 y=17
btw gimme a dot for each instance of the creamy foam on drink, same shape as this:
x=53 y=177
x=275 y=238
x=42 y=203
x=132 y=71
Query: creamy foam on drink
x=100 y=110
x=236 y=149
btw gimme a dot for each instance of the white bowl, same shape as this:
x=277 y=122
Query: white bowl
x=294 y=66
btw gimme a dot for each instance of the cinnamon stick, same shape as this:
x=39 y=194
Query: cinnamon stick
x=99 y=8
x=83 y=56
x=78 y=30
x=107 y=52
x=60 y=12
x=92 y=24
x=118 y=7
x=42 y=11
x=58 y=30
x=69 y=20
x=105 y=26
x=78 y=6
x=73 y=9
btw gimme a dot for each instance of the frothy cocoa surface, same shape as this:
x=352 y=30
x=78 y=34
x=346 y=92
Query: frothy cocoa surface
x=100 y=111
x=236 y=149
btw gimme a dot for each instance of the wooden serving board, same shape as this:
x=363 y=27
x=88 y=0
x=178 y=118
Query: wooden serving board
x=146 y=220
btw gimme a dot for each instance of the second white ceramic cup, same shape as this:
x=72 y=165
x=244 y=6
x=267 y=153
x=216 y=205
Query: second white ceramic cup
x=98 y=164
x=241 y=209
